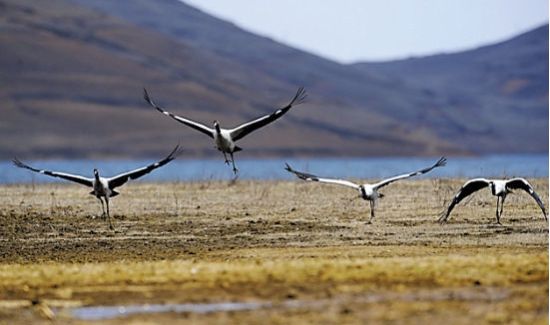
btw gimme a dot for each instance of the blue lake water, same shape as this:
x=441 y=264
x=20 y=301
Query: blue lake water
x=273 y=169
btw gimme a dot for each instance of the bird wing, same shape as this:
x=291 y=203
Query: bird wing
x=313 y=178
x=521 y=183
x=195 y=125
x=119 y=180
x=468 y=188
x=244 y=129
x=441 y=162
x=70 y=177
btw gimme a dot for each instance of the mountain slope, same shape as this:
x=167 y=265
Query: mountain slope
x=497 y=92
x=475 y=121
x=74 y=79
x=73 y=72
x=355 y=99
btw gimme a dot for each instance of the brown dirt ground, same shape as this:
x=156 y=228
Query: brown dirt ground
x=274 y=241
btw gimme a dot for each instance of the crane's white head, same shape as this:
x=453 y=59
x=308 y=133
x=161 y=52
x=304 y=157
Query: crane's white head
x=96 y=173
x=217 y=126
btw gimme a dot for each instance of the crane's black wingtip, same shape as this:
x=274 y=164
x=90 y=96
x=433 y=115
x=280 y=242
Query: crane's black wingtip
x=298 y=98
x=301 y=95
x=287 y=167
x=175 y=152
x=441 y=162
x=146 y=95
x=20 y=164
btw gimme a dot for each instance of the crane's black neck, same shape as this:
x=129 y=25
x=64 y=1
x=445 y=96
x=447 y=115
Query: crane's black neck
x=363 y=192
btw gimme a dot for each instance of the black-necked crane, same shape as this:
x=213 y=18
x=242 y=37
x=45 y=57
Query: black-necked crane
x=103 y=187
x=499 y=188
x=225 y=139
x=369 y=192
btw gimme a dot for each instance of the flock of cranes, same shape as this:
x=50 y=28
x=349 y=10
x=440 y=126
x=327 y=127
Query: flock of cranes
x=225 y=141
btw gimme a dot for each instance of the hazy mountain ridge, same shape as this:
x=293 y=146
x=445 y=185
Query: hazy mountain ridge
x=81 y=97
x=504 y=83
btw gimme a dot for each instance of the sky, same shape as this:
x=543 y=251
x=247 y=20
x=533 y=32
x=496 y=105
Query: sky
x=375 y=30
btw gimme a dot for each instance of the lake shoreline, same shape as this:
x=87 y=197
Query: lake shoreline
x=499 y=166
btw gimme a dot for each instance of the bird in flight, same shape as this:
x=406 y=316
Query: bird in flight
x=499 y=188
x=369 y=192
x=103 y=187
x=225 y=139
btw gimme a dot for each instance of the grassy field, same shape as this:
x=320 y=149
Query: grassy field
x=305 y=248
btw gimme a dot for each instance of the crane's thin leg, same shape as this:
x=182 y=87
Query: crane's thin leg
x=235 y=170
x=102 y=208
x=108 y=214
x=501 y=207
x=497 y=213
x=372 y=206
x=225 y=157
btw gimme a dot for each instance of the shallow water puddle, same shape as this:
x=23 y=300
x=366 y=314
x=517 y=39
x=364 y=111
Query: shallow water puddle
x=459 y=294
x=108 y=312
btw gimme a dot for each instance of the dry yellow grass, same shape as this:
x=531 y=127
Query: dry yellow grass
x=275 y=241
